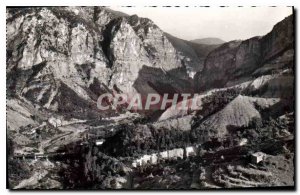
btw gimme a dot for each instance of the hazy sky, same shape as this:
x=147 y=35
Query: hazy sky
x=227 y=23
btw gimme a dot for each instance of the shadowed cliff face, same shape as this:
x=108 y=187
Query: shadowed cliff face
x=236 y=61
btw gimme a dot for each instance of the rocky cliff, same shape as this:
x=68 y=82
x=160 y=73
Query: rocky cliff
x=238 y=61
x=60 y=59
x=87 y=51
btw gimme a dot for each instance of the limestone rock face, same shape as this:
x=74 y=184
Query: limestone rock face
x=279 y=40
x=217 y=64
x=128 y=55
x=50 y=50
x=159 y=49
x=88 y=50
x=236 y=61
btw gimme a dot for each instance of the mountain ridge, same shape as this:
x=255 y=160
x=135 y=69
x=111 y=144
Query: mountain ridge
x=209 y=41
x=61 y=59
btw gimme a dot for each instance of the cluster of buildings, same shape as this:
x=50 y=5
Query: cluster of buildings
x=169 y=154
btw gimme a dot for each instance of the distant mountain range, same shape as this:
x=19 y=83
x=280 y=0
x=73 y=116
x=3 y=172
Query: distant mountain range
x=209 y=41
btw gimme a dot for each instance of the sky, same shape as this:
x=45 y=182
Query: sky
x=226 y=23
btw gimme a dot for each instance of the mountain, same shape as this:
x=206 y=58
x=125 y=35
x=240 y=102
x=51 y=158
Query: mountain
x=88 y=51
x=208 y=41
x=195 y=52
x=239 y=61
x=61 y=59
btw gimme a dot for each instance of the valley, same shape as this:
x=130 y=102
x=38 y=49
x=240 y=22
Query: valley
x=240 y=134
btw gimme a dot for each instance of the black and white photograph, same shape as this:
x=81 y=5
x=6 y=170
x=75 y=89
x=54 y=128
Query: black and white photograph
x=150 y=98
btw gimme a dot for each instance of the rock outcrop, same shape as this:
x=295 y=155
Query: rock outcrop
x=87 y=50
x=239 y=61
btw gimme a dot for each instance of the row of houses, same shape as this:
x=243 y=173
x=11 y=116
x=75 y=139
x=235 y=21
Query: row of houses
x=169 y=154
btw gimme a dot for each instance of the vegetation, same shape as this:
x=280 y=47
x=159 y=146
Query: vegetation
x=214 y=103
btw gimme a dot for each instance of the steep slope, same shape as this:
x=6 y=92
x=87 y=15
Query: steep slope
x=18 y=115
x=238 y=113
x=46 y=47
x=199 y=103
x=202 y=50
x=189 y=56
x=236 y=61
x=193 y=53
x=88 y=50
